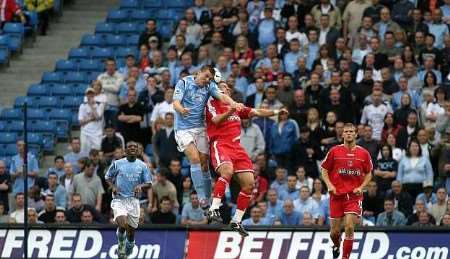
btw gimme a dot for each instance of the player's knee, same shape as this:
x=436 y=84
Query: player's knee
x=226 y=171
x=349 y=229
x=247 y=187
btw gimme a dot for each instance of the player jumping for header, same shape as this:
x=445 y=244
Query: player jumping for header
x=346 y=170
x=189 y=101
x=223 y=123
x=127 y=177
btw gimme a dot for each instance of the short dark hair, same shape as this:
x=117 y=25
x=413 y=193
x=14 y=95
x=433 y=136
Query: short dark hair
x=150 y=20
x=165 y=198
x=389 y=199
x=59 y=158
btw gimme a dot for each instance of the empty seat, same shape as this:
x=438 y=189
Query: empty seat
x=14 y=126
x=117 y=16
x=176 y=4
x=133 y=40
x=62 y=129
x=91 y=76
x=78 y=89
x=149 y=150
x=11 y=150
x=34 y=138
x=129 y=4
x=115 y=41
x=16 y=29
x=11 y=114
x=103 y=28
x=36 y=114
x=102 y=53
x=20 y=100
x=124 y=51
x=128 y=28
x=62 y=90
x=48 y=102
x=140 y=16
x=166 y=29
x=152 y=4
x=5 y=41
x=89 y=40
x=7 y=137
x=91 y=65
x=60 y=114
x=51 y=77
x=71 y=102
x=43 y=126
x=4 y=55
x=78 y=53
x=38 y=90
x=74 y=77
x=63 y=65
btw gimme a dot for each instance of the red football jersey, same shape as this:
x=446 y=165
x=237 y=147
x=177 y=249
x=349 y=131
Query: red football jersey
x=347 y=168
x=230 y=129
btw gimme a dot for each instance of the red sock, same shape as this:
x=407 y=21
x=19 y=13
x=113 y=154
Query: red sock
x=347 y=248
x=336 y=240
x=243 y=200
x=220 y=187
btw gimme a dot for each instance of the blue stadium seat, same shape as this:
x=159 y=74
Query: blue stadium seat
x=115 y=41
x=102 y=53
x=11 y=114
x=11 y=150
x=166 y=29
x=43 y=126
x=7 y=137
x=91 y=65
x=36 y=114
x=123 y=52
x=48 y=142
x=128 y=28
x=2 y=126
x=16 y=32
x=4 y=41
x=51 y=77
x=103 y=28
x=60 y=114
x=133 y=41
x=117 y=16
x=48 y=102
x=75 y=77
x=176 y=4
x=62 y=90
x=79 y=53
x=78 y=89
x=62 y=129
x=185 y=163
x=129 y=4
x=65 y=65
x=140 y=16
x=4 y=55
x=92 y=76
x=38 y=90
x=89 y=40
x=152 y=4
x=20 y=100
x=14 y=126
x=72 y=102
x=149 y=150
x=34 y=138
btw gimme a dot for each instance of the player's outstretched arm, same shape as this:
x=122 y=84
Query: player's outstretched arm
x=219 y=118
x=266 y=112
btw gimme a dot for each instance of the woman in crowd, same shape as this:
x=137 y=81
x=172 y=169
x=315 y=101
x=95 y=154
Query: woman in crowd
x=390 y=127
x=385 y=169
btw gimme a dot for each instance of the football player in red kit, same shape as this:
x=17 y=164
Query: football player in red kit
x=346 y=170
x=223 y=126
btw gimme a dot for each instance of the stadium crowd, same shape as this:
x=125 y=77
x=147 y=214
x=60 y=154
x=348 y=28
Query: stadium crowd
x=383 y=65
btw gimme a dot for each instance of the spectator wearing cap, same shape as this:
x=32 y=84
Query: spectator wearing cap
x=111 y=81
x=90 y=115
x=150 y=30
x=47 y=215
x=57 y=190
x=5 y=186
x=89 y=186
x=16 y=168
x=110 y=141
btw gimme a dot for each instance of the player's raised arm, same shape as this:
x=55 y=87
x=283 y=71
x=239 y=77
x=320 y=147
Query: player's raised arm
x=266 y=112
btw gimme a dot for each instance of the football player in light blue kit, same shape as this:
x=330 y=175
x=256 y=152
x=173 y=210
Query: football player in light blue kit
x=189 y=101
x=127 y=177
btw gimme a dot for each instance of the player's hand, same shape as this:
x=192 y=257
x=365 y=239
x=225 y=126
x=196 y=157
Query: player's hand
x=332 y=189
x=239 y=106
x=185 y=112
x=137 y=191
x=114 y=190
x=357 y=191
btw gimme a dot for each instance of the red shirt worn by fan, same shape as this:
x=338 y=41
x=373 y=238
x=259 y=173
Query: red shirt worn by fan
x=347 y=168
x=230 y=129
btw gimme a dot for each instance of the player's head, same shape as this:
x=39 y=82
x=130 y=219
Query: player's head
x=349 y=133
x=223 y=87
x=205 y=75
x=132 y=150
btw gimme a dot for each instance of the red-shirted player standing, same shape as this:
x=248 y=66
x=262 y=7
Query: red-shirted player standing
x=346 y=170
x=223 y=126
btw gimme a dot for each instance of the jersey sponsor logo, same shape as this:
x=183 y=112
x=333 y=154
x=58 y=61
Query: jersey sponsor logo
x=347 y=171
x=233 y=118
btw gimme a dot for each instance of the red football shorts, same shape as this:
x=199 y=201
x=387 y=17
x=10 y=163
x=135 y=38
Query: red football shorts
x=345 y=204
x=230 y=152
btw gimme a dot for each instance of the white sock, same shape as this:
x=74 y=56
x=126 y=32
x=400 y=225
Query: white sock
x=216 y=202
x=238 y=215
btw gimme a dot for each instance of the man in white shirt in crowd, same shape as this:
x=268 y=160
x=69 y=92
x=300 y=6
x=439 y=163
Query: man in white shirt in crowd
x=162 y=108
x=111 y=81
x=18 y=216
x=90 y=116
x=373 y=114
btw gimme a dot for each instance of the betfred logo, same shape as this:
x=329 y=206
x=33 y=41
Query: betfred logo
x=314 y=245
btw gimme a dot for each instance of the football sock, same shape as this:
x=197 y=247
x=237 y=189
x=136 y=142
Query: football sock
x=120 y=235
x=347 y=248
x=243 y=200
x=238 y=215
x=219 y=192
x=197 y=180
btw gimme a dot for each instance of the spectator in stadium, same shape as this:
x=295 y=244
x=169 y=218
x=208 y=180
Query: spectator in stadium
x=366 y=141
x=164 y=188
x=77 y=207
x=280 y=182
x=291 y=191
x=291 y=58
x=164 y=214
x=414 y=169
x=35 y=198
x=47 y=215
x=419 y=207
x=261 y=185
x=390 y=216
x=299 y=108
x=33 y=217
x=185 y=196
x=111 y=81
x=274 y=205
x=130 y=116
x=17 y=216
x=66 y=180
x=16 y=168
x=10 y=9
x=110 y=141
x=401 y=114
x=372 y=202
x=176 y=177
x=289 y=216
x=390 y=127
x=87 y=218
x=307 y=220
x=164 y=144
x=430 y=110
x=327 y=8
x=403 y=200
x=255 y=218
x=90 y=115
x=60 y=217
x=44 y=10
x=4 y=217
x=284 y=134
x=75 y=154
x=386 y=169
x=266 y=28
x=255 y=97
x=424 y=220
x=252 y=139
x=438 y=28
x=445 y=222
x=5 y=186
x=439 y=209
x=151 y=30
x=58 y=168
x=405 y=134
x=58 y=191
x=352 y=16
x=305 y=152
x=192 y=214
x=162 y=108
x=89 y=186
x=374 y=114
x=305 y=203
